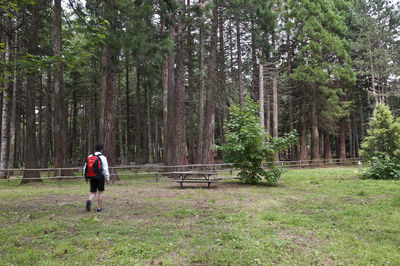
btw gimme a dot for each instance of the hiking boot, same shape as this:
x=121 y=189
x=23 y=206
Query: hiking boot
x=88 y=205
x=100 y=210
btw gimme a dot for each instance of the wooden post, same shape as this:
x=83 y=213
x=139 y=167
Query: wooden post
x=59 y=179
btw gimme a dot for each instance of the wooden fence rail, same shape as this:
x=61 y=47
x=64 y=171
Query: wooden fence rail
x=160 y=170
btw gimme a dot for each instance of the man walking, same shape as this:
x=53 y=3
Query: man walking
x=96 y=170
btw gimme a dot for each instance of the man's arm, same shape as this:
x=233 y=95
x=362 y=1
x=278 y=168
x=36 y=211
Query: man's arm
x=106 y=173
x=84 y=172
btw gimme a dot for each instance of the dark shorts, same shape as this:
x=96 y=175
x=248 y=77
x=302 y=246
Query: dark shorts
x=96 y=184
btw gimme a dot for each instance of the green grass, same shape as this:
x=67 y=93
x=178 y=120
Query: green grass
x=313 y=216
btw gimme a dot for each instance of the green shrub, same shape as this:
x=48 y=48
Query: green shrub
x=383 y=136
x=382 y=168
x=381 y=147
x=249 y=147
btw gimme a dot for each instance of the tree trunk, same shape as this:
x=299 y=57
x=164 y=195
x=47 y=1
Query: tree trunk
x=275 y=103
x=200 y=129
x=74 y=140
x=165 y=102
x=157 y=141
x=342 y=141
x=231 y=47
x=361 y=113
x=303 y=132
x=122 y=147
x=138 y=149
x=255 y=78
x=268 y=107
x=223 y=93
x=171 y=104
x=180 y=125
x=13 y=125
x=128 y=111
x=150 y=154
x=314 y=131
x=374 y=94
x=60 y=119
x=30 y=154
x=239 y=59
x=39 y=146
x=261 y=87
x=327 y=148
x=191 y=151
x=350 y=132
x=47 y=121
x=108 y=108
x=293 y=155
x=210 y=104
x=5 y=121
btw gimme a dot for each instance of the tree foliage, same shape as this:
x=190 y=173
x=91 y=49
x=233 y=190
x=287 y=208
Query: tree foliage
x=383 y=137
x=382 y=145
x=250 y=147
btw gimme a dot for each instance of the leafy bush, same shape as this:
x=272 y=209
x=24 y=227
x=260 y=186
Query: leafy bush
x=383 y=136
x=382 y=168
x=248 y=146
x=382 y=145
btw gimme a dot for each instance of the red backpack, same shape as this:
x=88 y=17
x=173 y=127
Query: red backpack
x=93 y=166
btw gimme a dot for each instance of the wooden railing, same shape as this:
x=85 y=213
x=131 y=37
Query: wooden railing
x=158 y=170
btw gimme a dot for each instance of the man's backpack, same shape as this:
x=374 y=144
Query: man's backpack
x=93 y=166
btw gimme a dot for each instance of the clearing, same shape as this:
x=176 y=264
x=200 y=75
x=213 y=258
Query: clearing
x=312 y=216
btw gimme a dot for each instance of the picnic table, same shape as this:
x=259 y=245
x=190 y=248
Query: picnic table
x=196 y=177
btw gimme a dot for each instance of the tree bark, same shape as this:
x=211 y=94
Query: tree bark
x=255 y=78
x=108 y=108
x=138 y=149
x=180 y=125
x=275 y=103
x=327 y=148
x=5 y=121
x=239 y=59
x=60 y=119
x=374 y=94
x=165 y=102
x=128 y=111
x=361 y=113
x=47 y=121
x=150 y=157
x=200 y=129
x=191 y=151
x=39 y=146
x=261 y=87
x=342 y=141
x=268 y=107
x=171 y=103
x=314 y=130
x=303 y=132
x=14 y=103
x=210 y=104
x=223 y=93
x=122 y=147
x=30 y=154
x=350 y=132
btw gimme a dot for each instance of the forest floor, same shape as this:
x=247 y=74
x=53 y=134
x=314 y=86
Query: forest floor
x=312 y=216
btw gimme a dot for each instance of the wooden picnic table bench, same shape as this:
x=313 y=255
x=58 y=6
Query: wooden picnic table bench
x=196 y=177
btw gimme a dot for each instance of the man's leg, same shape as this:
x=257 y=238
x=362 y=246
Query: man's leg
x=89 y=202
x=100 y=200
x=92 y=195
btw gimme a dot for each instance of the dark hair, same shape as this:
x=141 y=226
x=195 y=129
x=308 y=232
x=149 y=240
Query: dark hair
x=99 y=147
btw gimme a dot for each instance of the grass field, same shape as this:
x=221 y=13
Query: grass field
x=314 y=216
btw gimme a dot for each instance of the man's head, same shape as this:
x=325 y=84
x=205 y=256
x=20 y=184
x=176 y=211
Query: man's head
x=99 y=147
